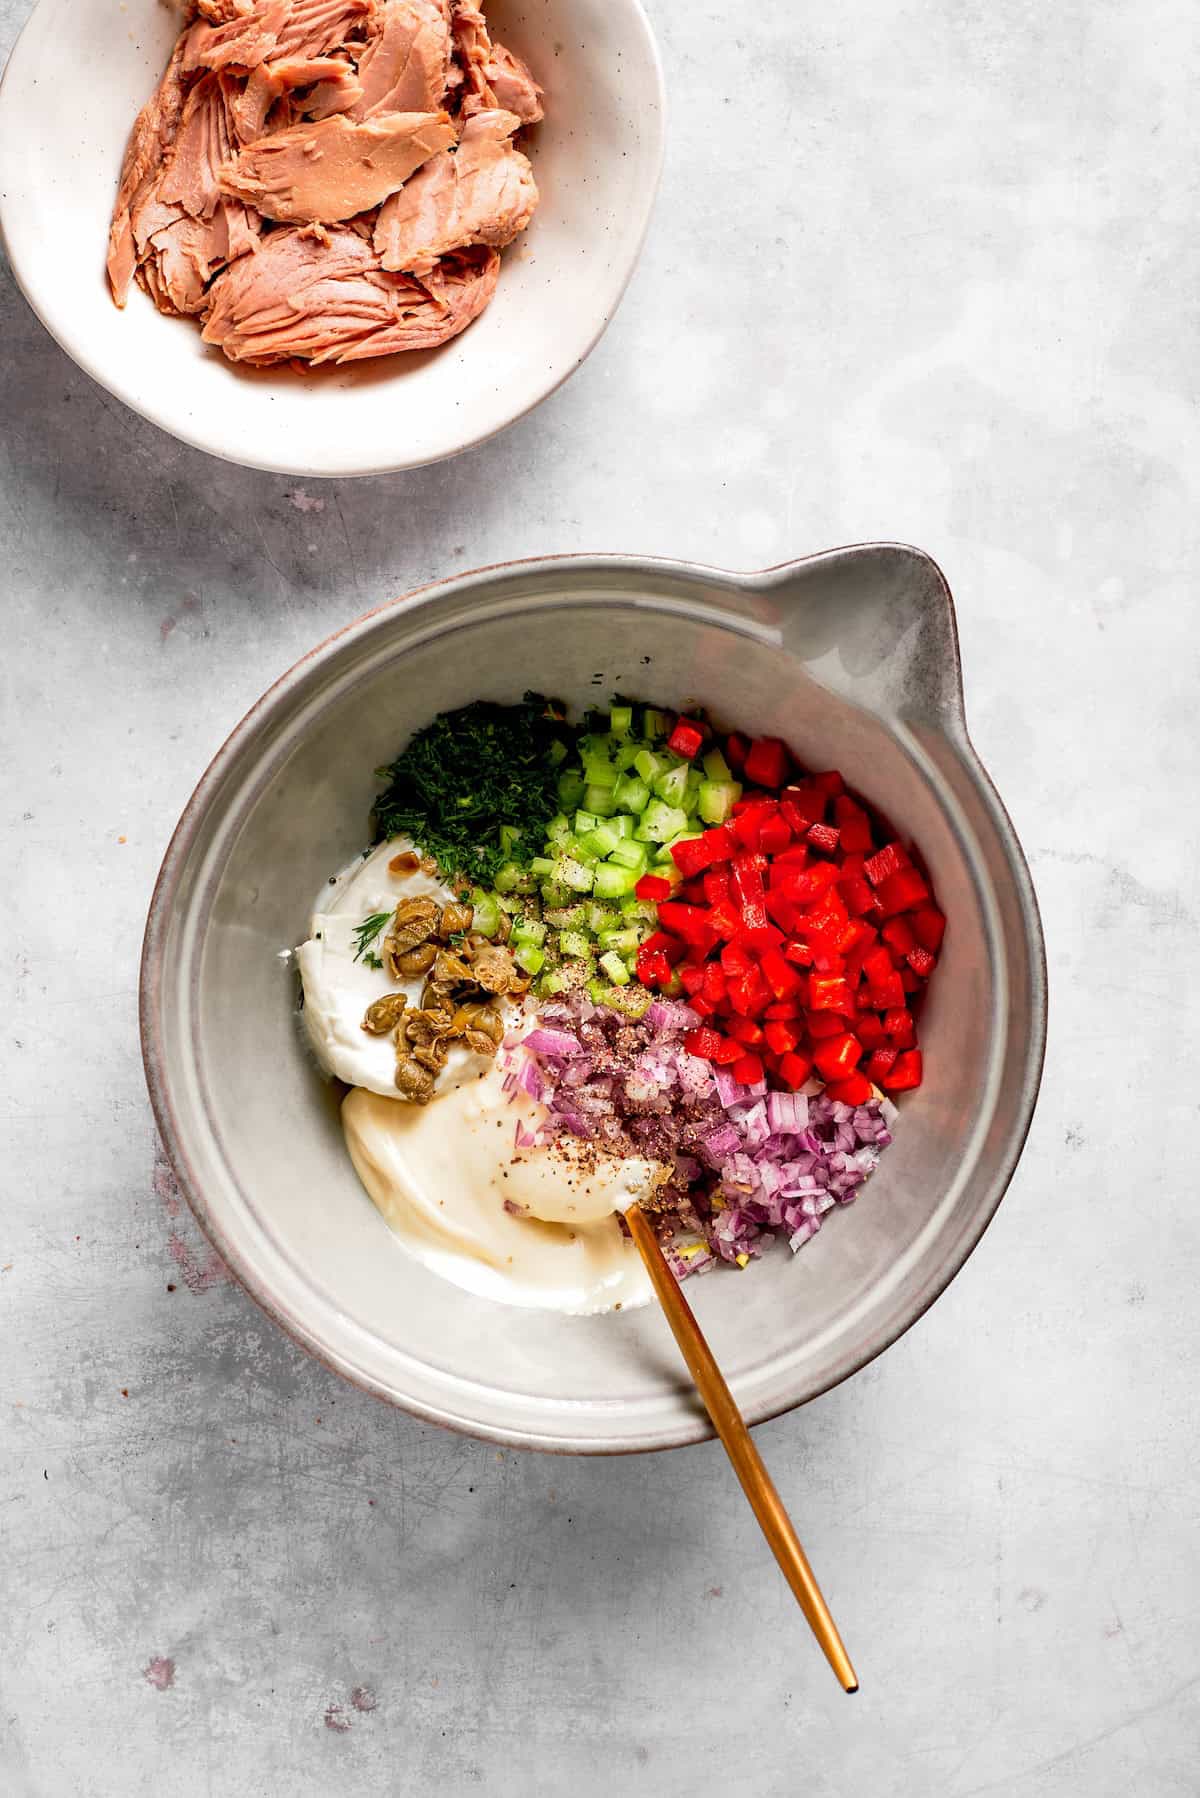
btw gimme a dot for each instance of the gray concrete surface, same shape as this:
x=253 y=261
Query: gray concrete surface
x=954 y=303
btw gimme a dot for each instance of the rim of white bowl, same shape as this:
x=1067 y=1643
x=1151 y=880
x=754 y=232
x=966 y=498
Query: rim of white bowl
x=145 y=407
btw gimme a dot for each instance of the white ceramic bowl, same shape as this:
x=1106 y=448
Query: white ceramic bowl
x=852 y=657
x=74 y=83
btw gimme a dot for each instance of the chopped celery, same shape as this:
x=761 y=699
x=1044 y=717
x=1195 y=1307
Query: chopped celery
x=528 y=957
x=558 y=753
x=554 y=892
x=654 y=724
x=649 y=765
x=584 y=821
x=717 y=798
x=508 y=878
x=716 y=767
x=602 y=840
x=600 y=800
x=541 y=865
x=620 y=720
x=629 y=854
x=486 y=918
x=625 y=757
x=576 y=944
x=615 y=968
x=558 y=827
x=551 y=984
x=599 y=773
x=622 y=823
x=659 y=822
x=672 y=785
x=529 y=930
x=613 y=881
x=601 y=917
x=579 y=849
x=570 y=788
x=633 y=1001
x=567 y=917
x=573 y=874
x=624 y=940
x=509 y=837
x=639 y=911
x=631 y=793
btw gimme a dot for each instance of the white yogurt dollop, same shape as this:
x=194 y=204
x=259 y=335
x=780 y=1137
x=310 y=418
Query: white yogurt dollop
x=338 y=989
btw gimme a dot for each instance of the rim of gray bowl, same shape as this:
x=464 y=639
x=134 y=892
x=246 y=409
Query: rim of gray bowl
x=698 y=1428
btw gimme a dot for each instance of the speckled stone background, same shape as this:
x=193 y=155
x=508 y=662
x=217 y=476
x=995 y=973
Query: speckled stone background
x=918 y=271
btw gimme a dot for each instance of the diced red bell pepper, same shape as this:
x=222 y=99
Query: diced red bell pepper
x=685 y=739
x=720 y=842
x=885 y=862
x=774 y=835
x=854 y=867
x=784 y=1008
x=781 y=1036
x=855 y=1089
x=653 y=968
x=767 y=762
x=837 y=1056
x=828 y=961
x=780 y=974
x=828 y=919
x=823 y=837
x=828 y=782
x=716 y=885
x=745 y=1031
x=902 y=891
x=749 y=891
x=724 y=922
x=745 y=827
x=736 y=959
x=879 y=1063
x=749 y=993
x=898 y=1025
x=822 y=1024
x=691 y=922
x=736 y=747
x=794 y=1069
x=869 y=1030
x=854 y=825
x=653 y=887
x=698 y=1002
x=691 y=892
x=659 y=941
x=799 y=952
x=878 y=966
x=857 y=896
x=807 y=804
x=714 y=985
x=728 y=1052
x=921 y=962
x=906 y=1073
x=830 y=992
x=929 y=927
x=693 y=855
x=748 y=1070
x=691 y=979
x=780 y=910
x=803 y=886
x=762 y=937
x=704 y=1042
x=887 y=994
x=909 y=981
x=897 y=933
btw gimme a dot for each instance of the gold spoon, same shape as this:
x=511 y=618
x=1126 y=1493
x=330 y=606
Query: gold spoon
x=730 y=1426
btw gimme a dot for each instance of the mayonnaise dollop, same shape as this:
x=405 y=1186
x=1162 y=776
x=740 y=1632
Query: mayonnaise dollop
x=532 y=1227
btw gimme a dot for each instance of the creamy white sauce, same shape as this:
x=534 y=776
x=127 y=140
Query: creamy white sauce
x=338 y=989
x=441 y=1173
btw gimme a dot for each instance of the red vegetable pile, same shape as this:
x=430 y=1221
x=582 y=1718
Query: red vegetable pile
x=802 y=935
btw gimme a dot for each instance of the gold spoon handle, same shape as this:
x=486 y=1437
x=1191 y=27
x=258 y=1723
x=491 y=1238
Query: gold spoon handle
x=756 y=1482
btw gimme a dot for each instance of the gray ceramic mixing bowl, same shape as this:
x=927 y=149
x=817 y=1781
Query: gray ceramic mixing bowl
x=853 y=658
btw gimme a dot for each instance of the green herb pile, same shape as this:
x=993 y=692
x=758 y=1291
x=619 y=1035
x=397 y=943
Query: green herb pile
x=477 y=788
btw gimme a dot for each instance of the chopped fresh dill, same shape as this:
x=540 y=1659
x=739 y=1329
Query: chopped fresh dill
x=365 y=934
x=476 y=788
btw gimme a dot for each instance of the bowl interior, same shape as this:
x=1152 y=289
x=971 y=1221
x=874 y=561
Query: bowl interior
x=65 y=116
x=256 y=1126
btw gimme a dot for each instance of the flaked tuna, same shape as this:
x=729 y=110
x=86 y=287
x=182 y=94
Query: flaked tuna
x=482 y=193
x=276 y=119
x=323 y=172
x=406 y=64
x=493 y=77
x=320 y=296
